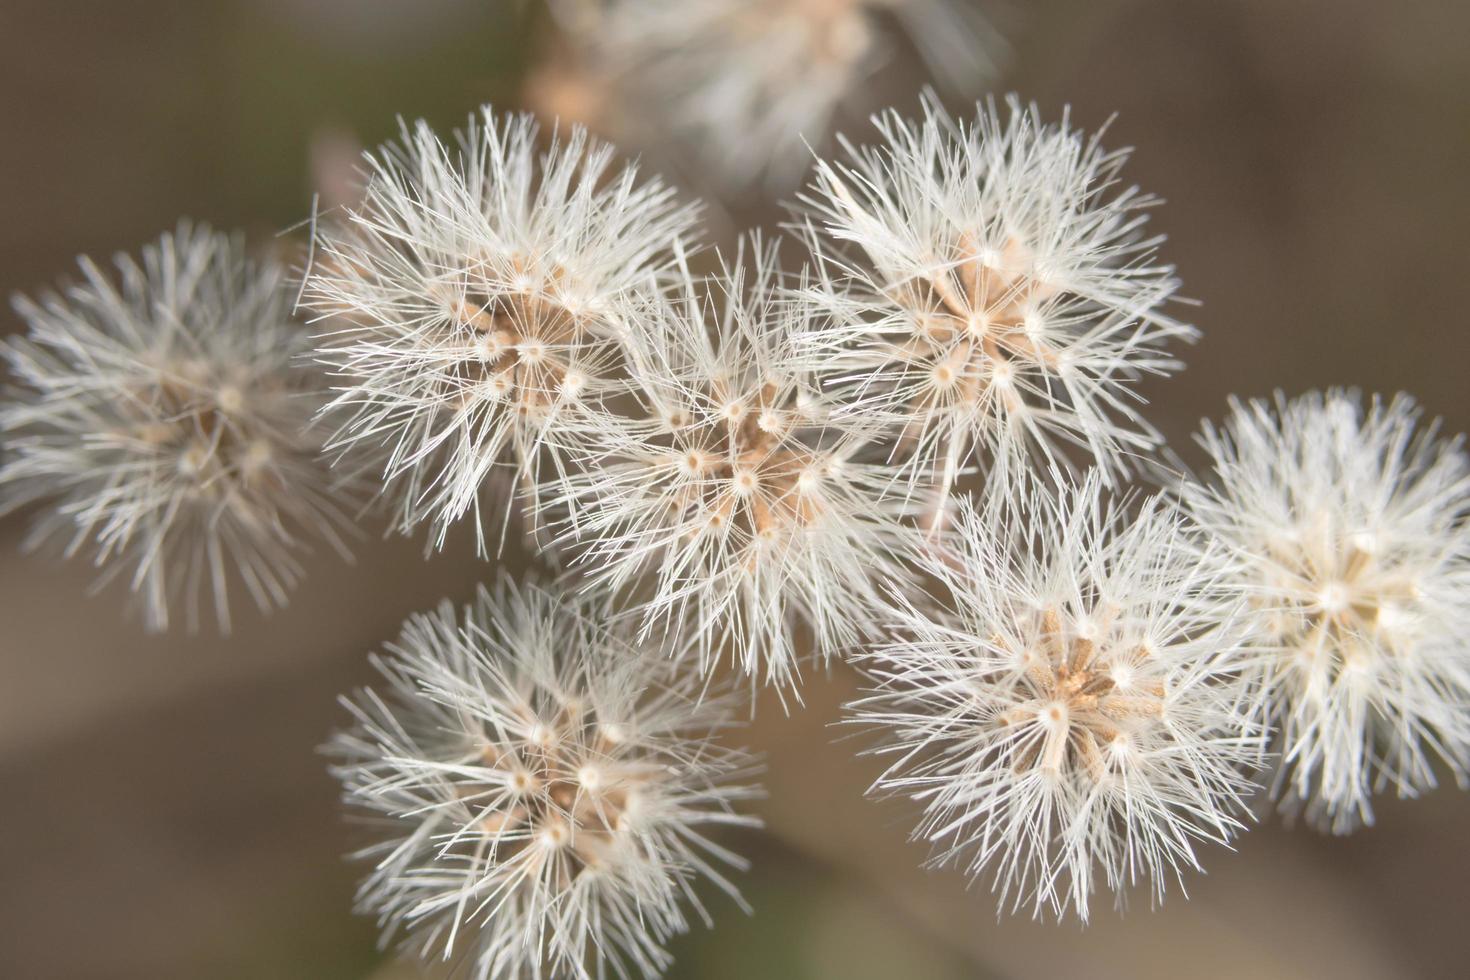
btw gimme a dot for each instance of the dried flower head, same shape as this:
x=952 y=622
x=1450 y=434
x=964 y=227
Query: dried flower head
x=752 y=512
x=1072 y=704
x=474 y=299
x=545 y=788
x=1354 y=532
x=990 y=289
x=748 y=85
x=164 y=412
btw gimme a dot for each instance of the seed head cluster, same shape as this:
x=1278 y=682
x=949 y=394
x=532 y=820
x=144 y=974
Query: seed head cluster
x=905 y=452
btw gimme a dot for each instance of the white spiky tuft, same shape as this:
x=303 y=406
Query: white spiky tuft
x=544 y=789
x=164 y=412
x=753 y=514
x=1354 y=531
x=472 y=302
x=1072 y=704
x=989 y=286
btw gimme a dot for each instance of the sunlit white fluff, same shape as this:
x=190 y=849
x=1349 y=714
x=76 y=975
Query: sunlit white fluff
x=752 y=513
x=1069 y=706
x=161 y=412
x=470 y=303
x=747 y=85
x=543 y=789
x=991 y=289
x=1353 y=523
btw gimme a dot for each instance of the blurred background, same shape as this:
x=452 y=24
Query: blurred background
x=163 y=811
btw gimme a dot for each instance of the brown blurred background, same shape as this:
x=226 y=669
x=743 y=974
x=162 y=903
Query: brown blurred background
x=163 y=813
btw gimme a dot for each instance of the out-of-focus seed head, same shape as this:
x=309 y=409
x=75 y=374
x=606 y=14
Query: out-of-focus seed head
x=1352 y=525
x=163 y=412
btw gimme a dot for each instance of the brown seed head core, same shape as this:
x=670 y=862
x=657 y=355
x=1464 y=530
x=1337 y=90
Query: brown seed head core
x=1074 y=702
x=749 y=473
x=970 y=326
x=524 y=344
x=1342 y=594
x=192 y=410
x=559 y=785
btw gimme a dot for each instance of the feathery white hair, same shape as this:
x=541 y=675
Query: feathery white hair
x=472 y=303
x=544 y=788
x=1071 y=704
x=990 y=288
x=753 y=513
x=1354 y=532
x=164 y=411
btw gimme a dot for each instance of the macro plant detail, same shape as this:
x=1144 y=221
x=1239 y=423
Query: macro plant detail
x=750 y=509
x=470 y=308
x=160 y=413
x=1073 y=703
x=906 y=447
x=1350 y=522
x=991 y=289
x=544 y=788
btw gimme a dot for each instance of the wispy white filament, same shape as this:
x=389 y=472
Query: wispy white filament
x=162 y=411
x=545 y=788
x=1072 y=705
x=471 y=302
x=990 y=287
x=1353 y=526
x=751 y=511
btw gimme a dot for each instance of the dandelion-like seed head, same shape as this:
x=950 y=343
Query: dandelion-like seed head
x=545 y=788
x=753 y=512
x=1352 y=529
x=473 y=303
x=1072 y=705
x=164 y=411
x=990 y=289
x=748 y=85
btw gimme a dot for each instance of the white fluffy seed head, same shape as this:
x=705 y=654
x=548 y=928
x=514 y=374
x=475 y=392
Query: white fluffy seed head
x=1072 y=704
x=162 y=412
x=744 y=87
x=470 y=305
x=989 y=287
x=753 y=517
x=544 y=789
x=1352 y=524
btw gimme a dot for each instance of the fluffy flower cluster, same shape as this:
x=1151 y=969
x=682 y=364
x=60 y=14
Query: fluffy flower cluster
x=1072 y=704
x=1354 y=533
x=500 y=310
x=746 y=86
x=164 y=411
x=991 y=290
x=473 y=301
x=752 y=512
x=544 y=789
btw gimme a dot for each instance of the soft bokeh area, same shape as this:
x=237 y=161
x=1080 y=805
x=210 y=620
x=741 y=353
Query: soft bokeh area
x=163 y=809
